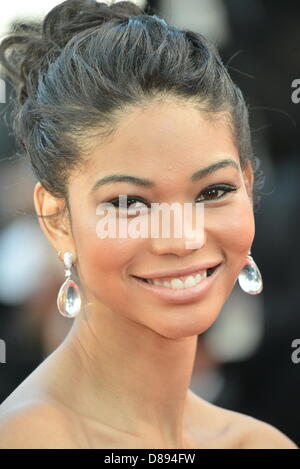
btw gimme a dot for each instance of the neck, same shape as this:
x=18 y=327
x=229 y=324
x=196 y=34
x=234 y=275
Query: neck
x=131 y=377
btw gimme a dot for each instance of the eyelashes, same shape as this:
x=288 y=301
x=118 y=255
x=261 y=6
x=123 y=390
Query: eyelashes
x=210 y=191
x=219 y=187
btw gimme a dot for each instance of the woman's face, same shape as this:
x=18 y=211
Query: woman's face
x=165 y=143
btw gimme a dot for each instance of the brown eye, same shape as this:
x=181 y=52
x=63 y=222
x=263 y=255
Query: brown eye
x=131 y=201
x=212 y=192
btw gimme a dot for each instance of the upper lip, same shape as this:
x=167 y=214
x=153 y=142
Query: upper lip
x=181 y=272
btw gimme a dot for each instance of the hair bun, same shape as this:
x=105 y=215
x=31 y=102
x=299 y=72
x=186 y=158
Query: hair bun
x=73 y=16
x=30 y=47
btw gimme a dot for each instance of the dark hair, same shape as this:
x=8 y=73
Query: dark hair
x=87 y=62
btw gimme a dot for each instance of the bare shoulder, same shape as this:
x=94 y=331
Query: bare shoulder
x=251 y=433
x=262 y=435
x=38 y=424
x=231 y=429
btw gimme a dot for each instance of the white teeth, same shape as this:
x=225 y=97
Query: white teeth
x=190 y=281
x=155 y=282
x=177 y=283
x=182 y=282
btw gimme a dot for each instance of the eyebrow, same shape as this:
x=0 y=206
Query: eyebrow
x=201 y=173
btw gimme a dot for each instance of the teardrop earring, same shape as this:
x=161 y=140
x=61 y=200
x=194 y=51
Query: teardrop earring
x=250 y=278
x=68 y=298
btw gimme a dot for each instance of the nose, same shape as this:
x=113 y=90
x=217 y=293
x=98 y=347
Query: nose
x=188 y=236
x=173 y=246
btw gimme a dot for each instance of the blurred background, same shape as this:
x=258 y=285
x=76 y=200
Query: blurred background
x=243 y=361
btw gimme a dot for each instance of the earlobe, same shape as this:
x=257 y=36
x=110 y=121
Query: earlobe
x=52 y=218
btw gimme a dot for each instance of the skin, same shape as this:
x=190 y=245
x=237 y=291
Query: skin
x=126 y=364
x=124 y=332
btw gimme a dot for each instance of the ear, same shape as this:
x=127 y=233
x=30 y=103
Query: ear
x=249 y=178
x=57 y=228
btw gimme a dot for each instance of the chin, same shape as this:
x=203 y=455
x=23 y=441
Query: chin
x=181 y=327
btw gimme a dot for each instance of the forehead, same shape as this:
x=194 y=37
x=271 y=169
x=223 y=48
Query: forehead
x=161 y=137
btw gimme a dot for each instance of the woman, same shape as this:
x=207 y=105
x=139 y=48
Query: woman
x=113 y=101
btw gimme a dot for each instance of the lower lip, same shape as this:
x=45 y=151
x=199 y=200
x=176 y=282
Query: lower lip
x=182 y=295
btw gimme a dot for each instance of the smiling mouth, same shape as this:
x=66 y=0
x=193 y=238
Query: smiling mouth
x=207 y=273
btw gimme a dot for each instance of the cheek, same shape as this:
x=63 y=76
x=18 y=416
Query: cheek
x=233 y=230
x=102 y=263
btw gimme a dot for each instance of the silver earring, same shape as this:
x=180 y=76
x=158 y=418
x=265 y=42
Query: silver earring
x=250 y=278
x=68 y=298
